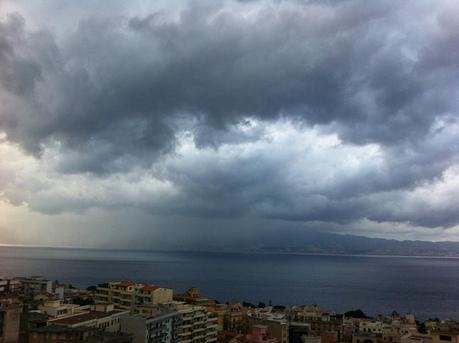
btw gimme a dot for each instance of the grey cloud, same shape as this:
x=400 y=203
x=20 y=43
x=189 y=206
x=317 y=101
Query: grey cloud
x=119 y=85
x=115 y=93
x=306 y=186
x=18 y=73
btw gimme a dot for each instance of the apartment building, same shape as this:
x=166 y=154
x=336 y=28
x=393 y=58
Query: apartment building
x=129 y=295
x=163 y=327
x=56 y=308
x=297 y=331
x=405 y=325
x=104 y=317
x=192 y=296
x=4 y=286
x=320 y=322
x=236 y=319
x=197 y=325
x=309 y=313
x=257 y=334
x=9 y=286
x=211 y=327
x=35 y=285
x=370 y=326
x=59 y=334
x=276 y=327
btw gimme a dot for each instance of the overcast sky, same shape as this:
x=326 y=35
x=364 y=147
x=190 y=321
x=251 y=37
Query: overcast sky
x=154 y=123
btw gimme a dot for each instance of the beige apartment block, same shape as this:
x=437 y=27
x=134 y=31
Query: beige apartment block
x=129 y=295
x=56 y=308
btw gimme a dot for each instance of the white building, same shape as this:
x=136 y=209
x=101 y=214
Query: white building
x=161 y=328
x=103 y=317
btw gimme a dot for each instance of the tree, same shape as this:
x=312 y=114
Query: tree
x=247 y=304
x=356 y=314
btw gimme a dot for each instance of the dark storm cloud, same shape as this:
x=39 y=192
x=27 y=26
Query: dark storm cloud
x=350 y=64
x=115 y=93
x=18 y=73
x=266 y=185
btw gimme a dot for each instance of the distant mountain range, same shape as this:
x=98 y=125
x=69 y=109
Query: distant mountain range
x=329 y=243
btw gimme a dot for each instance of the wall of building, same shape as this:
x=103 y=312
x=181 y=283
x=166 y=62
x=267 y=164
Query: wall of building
x=10 y=315
x=136 y=326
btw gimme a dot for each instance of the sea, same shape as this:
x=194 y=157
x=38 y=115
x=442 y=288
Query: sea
x=427 y=287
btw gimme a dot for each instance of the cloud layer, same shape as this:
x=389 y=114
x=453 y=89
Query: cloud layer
x=302 y=111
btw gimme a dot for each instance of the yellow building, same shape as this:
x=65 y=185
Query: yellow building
x=56 y=309
x=129 y=295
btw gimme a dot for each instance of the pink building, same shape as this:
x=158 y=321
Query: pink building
x=258 y=334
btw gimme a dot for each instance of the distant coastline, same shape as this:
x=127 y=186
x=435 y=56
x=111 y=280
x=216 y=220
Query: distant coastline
x=228 y=251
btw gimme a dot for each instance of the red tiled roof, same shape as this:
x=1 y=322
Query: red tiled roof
x=236 y=306
x=149 y=288
x=126 y=283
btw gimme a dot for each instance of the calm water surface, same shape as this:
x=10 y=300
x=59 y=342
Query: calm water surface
x=429 y=287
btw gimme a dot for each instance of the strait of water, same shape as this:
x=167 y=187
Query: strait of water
x=428 y=287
